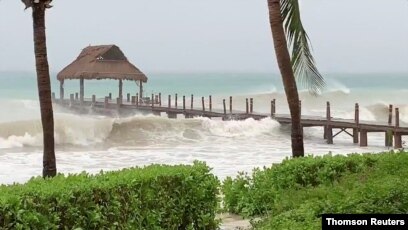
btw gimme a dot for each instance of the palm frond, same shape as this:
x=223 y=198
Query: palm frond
x=29 y=3
x=303 y=63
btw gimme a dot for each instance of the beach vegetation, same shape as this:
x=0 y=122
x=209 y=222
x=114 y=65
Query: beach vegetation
x=294 y=194
x=153 y=197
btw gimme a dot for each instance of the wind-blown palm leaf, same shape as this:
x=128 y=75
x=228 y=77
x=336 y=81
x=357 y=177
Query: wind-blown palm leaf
x=303 y=63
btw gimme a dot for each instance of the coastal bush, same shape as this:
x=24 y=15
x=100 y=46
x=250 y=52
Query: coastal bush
x=294 y=194
x=154 y=197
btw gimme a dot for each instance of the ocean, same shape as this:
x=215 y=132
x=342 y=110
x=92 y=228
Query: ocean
x=92 y=142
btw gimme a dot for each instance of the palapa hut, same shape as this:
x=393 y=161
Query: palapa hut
x=101 y=62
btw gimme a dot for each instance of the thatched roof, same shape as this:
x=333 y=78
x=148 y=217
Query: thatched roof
x=102 y=62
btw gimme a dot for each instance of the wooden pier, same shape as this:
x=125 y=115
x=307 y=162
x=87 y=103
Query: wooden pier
x=355 y=128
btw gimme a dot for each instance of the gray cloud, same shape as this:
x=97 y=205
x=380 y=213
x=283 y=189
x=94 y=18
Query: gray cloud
x=211 y=35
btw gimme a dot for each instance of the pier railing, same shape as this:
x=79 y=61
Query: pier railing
x=392 y=129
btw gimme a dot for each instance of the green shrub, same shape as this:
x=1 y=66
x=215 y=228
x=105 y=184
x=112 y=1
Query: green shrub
x=154 y=197
x=252 y=195
x=294 y=194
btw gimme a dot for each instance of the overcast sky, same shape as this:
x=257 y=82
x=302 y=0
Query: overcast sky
x=210 y=35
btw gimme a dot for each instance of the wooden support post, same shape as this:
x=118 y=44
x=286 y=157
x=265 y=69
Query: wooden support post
x=93 y=99
x=106 y=102
x=273 y=108
x=388 y=134
x=62 y=90
x=171 y=115
x=175 y=101
x=192 y=101
x=397 y=135
x=53 y=96
x=357 y=122
x=160 y=100
x=390 y=115
x=329 y=129
x=246 y=106
x=137 y=99
x=81 y=90
x=141 y=89
x=202 y=102
x=184 y=103
x=128 y=97
x=363 y=138
x=110 y=96
x=230 y=105
x=225 y=109
x=133 y=100
x=251 y=105
x=76 y=96
x=120 y=89
x=210 y=98
x=169 y=102
x=152 y=100
x=71 y=98
x=118 y=102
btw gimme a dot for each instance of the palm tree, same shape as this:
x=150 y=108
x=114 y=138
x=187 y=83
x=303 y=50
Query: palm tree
x=288 y=33
x=43 y=82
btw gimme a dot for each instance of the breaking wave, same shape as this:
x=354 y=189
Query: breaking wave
x=71 y=129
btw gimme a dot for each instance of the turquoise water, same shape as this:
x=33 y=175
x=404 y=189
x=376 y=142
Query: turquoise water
x=90 y=142
x=23 y=85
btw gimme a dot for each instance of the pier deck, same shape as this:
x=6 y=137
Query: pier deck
x=358 y=129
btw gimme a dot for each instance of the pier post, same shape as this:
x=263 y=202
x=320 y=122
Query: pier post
x=246 y=106
x=53 y=96
x=251 y=105
x=210 y=98
x=141 y=89
x=152 y=100
x=169 y=102
x=118 y=102
x=71 y=98
x=273 y=108
x=81 y=90
x=388 y=134
x=76 y=96
x=160 y=100
x=202 y=102
x=106 y=102
x=62 y=89
x=110 y=96
x=230 y=105
x=93 y=99
x=225 y=109
x=137 y=99
x=175 y=101
x=329 y=129
x=397 y=135
x=192 y=101
x=128 y=97
x=184 y=103
x=133 y=100
x=357 y=122
x=363 y=138
x=120 y=89
x=156 y=99
x=171 y=115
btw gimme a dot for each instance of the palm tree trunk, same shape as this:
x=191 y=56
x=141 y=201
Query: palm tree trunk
x=44 y=89
x=288 y=78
